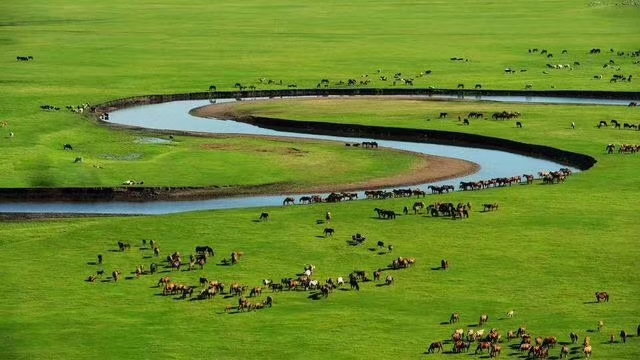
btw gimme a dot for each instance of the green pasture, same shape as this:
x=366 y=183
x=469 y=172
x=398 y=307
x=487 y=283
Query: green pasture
x=543 y=254
x=91 y=52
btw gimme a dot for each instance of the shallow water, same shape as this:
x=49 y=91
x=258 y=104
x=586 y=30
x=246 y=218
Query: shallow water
x=175 y=116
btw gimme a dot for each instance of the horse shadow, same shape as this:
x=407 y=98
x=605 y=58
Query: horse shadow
x=590 y=302
x=371 y=249
x=444 y=323
x=147 y=257
x=436 y=268
x=92 y=263
x=106 y=280
x=473 y=325
x=115 y=250
x=143 y=248
x=381 y=285
x=197 y=298
x=315 y=296
x=382 y=252
x=129 y=277
x=228 y=296
x=319 y=222
x=591 y=331
x=256 y=221
x=344 y=289
x=320 y=237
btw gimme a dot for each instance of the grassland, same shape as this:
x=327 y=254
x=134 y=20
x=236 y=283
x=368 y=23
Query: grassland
x=543 y=254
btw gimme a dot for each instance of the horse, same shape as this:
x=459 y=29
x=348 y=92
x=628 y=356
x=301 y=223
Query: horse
x=443 y=115
x=264 y=216
x=289 y=201
x=484 y=318
x=465 y=122
x=389 y=280
x=602 y=296
x=444 y=264
x=519 y=124
x=436 y=346
x=67 y=147
x=327 y=216
x=305 y=199
x=328 y=232
x=454 y=318
x=206 y=250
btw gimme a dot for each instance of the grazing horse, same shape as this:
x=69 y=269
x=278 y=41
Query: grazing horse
x=564 y=352
x=574 y=338
x=67 y=147
x=484 y=318
x=289 y=201
x=389 y=280
x=587 y=351
x=444 y=264
x=519 y=124
x=207 y=250
x=455 y=317
x=443 y=115
x=436 y=346
x=328 y=232
x=602 y=296
x=264 y=216
x=465 y=122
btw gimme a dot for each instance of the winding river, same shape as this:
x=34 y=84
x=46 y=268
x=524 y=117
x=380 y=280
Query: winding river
x=175 y=116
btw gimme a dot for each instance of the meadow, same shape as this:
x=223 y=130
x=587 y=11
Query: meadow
x=543 y=254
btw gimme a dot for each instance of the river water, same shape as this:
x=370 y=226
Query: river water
x=175 y=116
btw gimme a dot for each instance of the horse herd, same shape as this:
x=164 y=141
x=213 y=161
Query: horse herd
x=529 y=347
x=623 y=148
x=616 y=125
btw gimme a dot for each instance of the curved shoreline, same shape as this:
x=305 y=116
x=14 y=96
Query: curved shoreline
x=580 y=161
x=429 y=168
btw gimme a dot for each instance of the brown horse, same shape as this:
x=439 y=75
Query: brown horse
x=602 y=296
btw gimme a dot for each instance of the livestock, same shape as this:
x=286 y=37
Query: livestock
x=205 y=250
x=564 y=352
x=587 y=351
x=602 y=296
x=510 y=313
x=436 y=346
x=519 y=124
x=484 y=318
x=264 y=216
x=67 y=147
x=574 y=338
x=99 y=258
x=389 y=280
x=623 y=336
x=454 y=318
x=328 y=232
x=289 y=201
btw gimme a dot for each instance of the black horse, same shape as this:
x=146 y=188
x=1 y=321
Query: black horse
x=67 y=147
x=264 y=216
x=205 y=250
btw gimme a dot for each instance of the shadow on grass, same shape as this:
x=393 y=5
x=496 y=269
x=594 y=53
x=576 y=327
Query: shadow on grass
x=381 y=285
x=315 y=296
x=382 y=253
x=590 y=302
x=92 y=263
x=147 y=257
x=129 y=277
x=436 y=268
x=320 y=237
x=114 y=250
x=372 y=249
x=444 y=323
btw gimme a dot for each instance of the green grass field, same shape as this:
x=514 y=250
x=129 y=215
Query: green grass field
x=543 y=254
